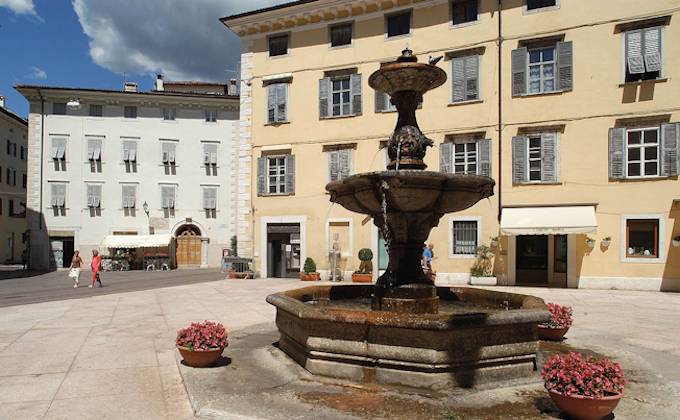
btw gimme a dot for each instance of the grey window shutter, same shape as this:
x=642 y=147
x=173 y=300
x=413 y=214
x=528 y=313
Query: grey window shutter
x=290 y=174
x=334 y=165
x=55 y=149
x=519 y=71
x=670 y=141
x=381 y=100
x=126 y=151
x=458 y=79
x=90 y=149
x=324 y=89
x=345 y=164
x=206 y=198
x=472 y=77
x=652 y=45
x=97 y=195
x=165 y=198
x=282 y=102
x=355 y=86
x=519 y=159
x=97 y=149
x=617 y=153
x=133 y=151
x=90 y=196
x=634 y=59
x=550 y=157
x=484 y=157
x=445 y=154
x=565 y=65
x=271 y=103
x=261 y=175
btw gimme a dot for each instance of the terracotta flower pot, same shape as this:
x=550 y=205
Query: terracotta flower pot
x=585 y=408
x=200 y=358
x=310 y=276
x=551 y=334
x=362 y=278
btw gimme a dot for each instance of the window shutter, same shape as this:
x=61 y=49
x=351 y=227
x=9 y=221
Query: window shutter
x=472 y=77
x=281 y=102
x=61 y=152
x=97 y=150
x=484 y=157
x=133 y=151
x=126 y=151
x=617 y=153
x=519 y=71
x=53 y=195
x=171 y=193
x=345 y=166
x=381 y=100
x=165 y=199
x=206 y=198
x=670 y=141
x=58 y=195
x=355 y=87
x=565 y=63
x=261 y=175
x=324 y=89
x=55 y=148
x=271 y=103
x=445 y=154
x=97 y=195
x=458 y=70
x=634 y=59
x=334 y=165
x=90 y=149
x=519 y=159
x=290 y=174
x=652 y=51
x=550 y=157
x=165 y=153
x=128 y=196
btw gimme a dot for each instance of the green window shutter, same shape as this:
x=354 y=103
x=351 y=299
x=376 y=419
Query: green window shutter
x=484 y=157
x=271 y=103
x=519 y=159
x=550 y=158
x=617 y=153
x=670 y=141
x=290 y=174
x=565 y=65
x=445 y=155
x=261 y=176
x=652 y=49
x=334 y=165
x=324 y=92
x=458 y=79
x=519 y=71
x=355 y=87
x=471 y=77
x=634 y=59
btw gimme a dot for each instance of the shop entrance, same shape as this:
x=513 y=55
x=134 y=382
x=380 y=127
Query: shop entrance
x=62 y=251
x=283 y=250
x=541 y=260
x=188 y=246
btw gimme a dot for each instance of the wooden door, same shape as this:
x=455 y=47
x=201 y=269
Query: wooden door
x=188 y=249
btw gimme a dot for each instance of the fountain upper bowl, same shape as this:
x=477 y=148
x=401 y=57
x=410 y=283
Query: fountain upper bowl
x=408 y=76
x=409 y=191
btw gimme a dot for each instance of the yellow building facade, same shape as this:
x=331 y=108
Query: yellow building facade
x=571 y=106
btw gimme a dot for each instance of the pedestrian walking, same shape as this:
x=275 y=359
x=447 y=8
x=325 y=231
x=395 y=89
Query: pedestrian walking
x=428 y=255
x=96 y=266
x=74 y=272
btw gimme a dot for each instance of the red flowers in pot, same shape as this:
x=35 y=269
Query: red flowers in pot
x=202 y=343
x=560 y=321
x=583 y=387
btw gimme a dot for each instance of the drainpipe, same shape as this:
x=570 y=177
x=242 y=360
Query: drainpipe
x=499 y=42
x=42 y=147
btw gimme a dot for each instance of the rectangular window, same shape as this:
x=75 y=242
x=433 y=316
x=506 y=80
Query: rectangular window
x=210 y=202
x=94 y=196
x=24 y=181
x=339 y=164
x=129 y=196
x=463 y=11
x=340 y=34
x=130 y=111
x=464 y=237
x=276 y=175
x=58 y=195
x=96 y=110
x=541 y=70
x=59 y=108
x=642 y=152
x=539 y=4
x=58 y=148
x=169 y=114
x=465 y=157
x=210 y=115
x=278 y=45
x=168 y=156
x=277 y=103
x=534 y=161
x=642 y=238
x=94 y=149
x=465 y=78
x=210 y=158
x=9 y=147
x=168 y=197
x=399 y=24
x=643 y=54
x=129 y=151
x=341 y=96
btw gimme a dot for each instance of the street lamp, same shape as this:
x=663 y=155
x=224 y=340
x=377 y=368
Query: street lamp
x=145 y=206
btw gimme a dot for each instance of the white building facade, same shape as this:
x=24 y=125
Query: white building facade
x=105 y=162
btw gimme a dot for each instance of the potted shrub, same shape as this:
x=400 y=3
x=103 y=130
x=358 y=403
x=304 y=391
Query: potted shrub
x=561 y=318
x=202 y=343
x=481 y=271
x=606 y=241
x=309 y=272
x=676 y=241
x=582 y=387
x=365 y=272
x=590 y=242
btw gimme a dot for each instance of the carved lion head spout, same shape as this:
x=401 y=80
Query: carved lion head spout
x=406 y=148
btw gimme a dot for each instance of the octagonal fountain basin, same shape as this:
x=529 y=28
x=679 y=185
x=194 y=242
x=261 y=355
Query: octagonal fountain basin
x=478 y=337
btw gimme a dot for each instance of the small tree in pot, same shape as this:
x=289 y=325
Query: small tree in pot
x=365 y=272
x=309 y=272
x=481 y=272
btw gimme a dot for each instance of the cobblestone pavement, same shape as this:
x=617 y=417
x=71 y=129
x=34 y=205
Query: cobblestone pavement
x=113 y=356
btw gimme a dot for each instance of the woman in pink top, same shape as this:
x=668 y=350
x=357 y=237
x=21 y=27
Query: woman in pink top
x=96 y=266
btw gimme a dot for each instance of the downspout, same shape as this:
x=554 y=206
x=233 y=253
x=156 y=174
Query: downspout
x=42 y=146
x=499 y=42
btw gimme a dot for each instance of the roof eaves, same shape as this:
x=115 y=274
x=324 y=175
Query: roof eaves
x=226 y=19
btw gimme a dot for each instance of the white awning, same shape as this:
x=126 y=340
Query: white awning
x=136 y=241
x=561 y=220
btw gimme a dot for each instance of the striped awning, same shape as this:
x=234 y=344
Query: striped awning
x=136 y=241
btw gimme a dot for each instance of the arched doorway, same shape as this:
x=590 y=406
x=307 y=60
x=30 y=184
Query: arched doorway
x=188 y=252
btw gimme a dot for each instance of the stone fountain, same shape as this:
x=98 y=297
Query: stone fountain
x=404 y=330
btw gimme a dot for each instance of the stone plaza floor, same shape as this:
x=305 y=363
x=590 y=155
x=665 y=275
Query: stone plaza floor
x=112 y=356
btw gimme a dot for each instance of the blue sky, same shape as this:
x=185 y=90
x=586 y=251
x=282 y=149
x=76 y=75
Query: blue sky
x=92 y=43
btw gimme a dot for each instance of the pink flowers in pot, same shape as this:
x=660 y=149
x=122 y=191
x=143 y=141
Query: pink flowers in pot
x=204 y=335
x=561 y=316
x=575 y=374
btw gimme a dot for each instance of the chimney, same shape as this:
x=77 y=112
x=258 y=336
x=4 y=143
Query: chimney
x=2 y=101
x=231 y=90
x=130 y=87
x=159 y=83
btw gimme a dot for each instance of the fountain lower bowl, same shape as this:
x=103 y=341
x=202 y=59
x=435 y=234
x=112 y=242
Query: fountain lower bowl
x=472 y=341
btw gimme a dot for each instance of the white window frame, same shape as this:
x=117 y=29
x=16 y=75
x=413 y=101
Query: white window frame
x=464 y=24
x=661 y=258
x=534 y=159
x=277 y=35
x=642 y=146
x=527 y=11
x=280 y=177
x=540 y=65
x=410 y=25
x=169 y=113
x=453 y=219
x=332 y=92
x=466 y=162
x=337 y=47
x=211 y=116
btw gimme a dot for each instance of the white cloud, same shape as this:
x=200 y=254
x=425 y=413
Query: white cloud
x=37 y=73
x=179 y=38
x=20 y=7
